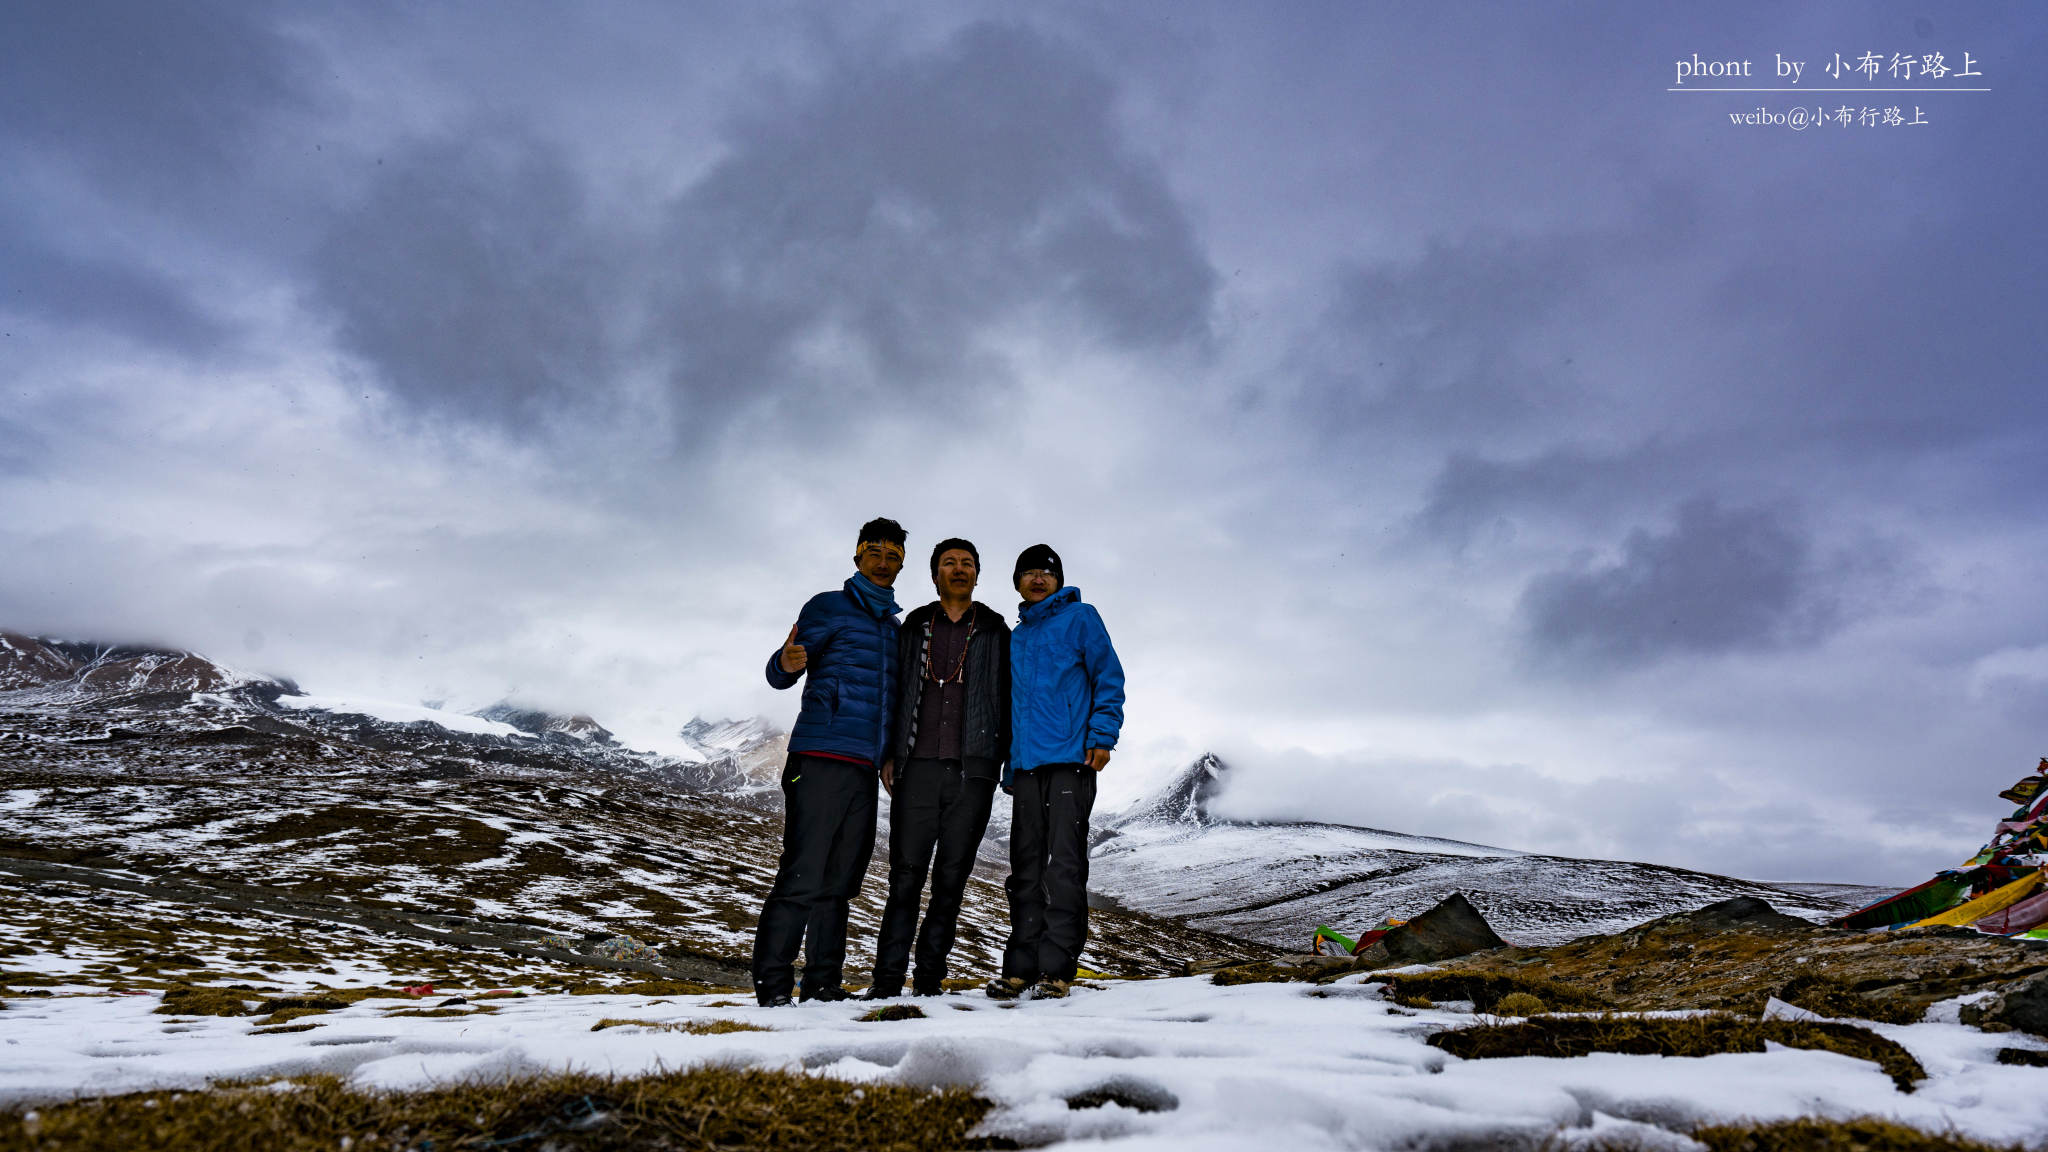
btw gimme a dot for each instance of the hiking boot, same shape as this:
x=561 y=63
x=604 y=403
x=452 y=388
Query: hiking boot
x=830 y=995
x=1006 y=987
x=929 y=990
x=877 y=992
x=782 y=1001
x=1050 y=989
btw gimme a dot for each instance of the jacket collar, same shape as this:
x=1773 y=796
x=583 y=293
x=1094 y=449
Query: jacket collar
x=874 y=599
x=980 y=613
x=1050 y=606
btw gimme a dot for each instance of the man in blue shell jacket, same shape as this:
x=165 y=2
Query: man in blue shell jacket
x=1066 y=709
x=844 y=646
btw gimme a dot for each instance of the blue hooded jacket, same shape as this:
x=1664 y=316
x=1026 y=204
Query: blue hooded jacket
x=1066 y=684
x=850 y=694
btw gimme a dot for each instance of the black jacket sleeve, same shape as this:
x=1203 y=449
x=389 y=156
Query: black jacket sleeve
x=909 y=670
x=1003 y=708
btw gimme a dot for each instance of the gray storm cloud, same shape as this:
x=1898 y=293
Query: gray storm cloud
x=1721 y=580
x=1473 y=434
x=851 y=246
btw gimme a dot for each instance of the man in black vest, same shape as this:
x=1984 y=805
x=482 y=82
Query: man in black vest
x=952 y=736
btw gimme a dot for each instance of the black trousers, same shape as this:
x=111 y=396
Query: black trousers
x=1048 y=882
x=936 y=807
x=828 y=834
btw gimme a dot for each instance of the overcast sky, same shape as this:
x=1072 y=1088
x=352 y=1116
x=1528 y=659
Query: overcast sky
x=1458 y=431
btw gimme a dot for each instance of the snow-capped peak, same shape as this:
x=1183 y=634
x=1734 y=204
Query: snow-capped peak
x=540 y=723
x=1182 y=800
x=715 y=738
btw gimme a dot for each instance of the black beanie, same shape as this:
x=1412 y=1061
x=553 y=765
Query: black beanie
x=946 y=546
x=1038 y=557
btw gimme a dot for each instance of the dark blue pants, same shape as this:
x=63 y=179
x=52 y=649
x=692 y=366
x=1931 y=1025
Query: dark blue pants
x=828 y=834
x=938 y=809
x=1048 y=883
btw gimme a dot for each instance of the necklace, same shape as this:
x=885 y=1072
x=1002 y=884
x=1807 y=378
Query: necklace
x=960 y=665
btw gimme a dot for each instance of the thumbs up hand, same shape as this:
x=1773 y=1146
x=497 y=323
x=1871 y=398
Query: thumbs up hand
x=793 y=655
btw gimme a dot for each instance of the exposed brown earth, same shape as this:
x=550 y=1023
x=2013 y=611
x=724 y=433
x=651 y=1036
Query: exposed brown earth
x=1684 y=962
x=1733 y=957
x=1566 y=1036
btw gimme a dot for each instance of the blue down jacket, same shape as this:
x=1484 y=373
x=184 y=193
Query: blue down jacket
x=850 y=695
x=1066 y=684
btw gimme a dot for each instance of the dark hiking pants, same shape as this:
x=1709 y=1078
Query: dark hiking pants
x=1048 y=882
x=936 y=806
x=828 y=833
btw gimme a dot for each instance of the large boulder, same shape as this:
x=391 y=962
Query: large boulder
x=1452 y=928
x=1740 y=914
x=2021 y=1005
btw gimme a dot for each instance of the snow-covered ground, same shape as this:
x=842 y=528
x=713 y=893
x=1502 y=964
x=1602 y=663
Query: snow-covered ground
x=1259 y=1065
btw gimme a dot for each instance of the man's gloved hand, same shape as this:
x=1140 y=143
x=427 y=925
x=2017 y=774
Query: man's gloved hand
x=1098 y=758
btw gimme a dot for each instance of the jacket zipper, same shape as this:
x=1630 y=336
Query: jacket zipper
x=882 y=716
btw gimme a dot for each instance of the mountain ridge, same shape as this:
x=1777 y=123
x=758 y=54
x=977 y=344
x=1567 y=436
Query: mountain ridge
x=314 y=795
x=1167 y=854
x=86 y=668
x=1275 y=881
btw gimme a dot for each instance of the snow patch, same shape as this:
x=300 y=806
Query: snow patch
x=1176 y=1063
x=392 y=712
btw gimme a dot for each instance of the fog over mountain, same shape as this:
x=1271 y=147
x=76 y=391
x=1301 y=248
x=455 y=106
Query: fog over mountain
x=1460 y=434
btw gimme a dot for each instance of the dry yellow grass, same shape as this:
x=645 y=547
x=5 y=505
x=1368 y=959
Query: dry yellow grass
x=1831 y=997
x=1682 y=1036
x=187 y=1001
x=893 y=1012
x=706 y=1108
x=1867 y=1134
x=1520 y=1004
x=1486 y=990
x=693 y=1027
x=1259 y=973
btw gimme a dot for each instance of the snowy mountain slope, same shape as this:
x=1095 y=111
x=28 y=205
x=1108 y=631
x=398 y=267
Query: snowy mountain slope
x=1184 y=802
x=70 y=670
x=1850 y=895
x=407 y=810
x=741 y=759
x=536 y=722
x=1167 y=854
x=148 y=710
x=743 y=738
x=403 y=715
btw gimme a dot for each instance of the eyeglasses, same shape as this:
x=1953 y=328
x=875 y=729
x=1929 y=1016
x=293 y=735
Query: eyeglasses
x=1036 y=572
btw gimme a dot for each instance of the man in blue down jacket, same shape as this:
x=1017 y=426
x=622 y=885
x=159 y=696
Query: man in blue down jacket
x=844 y=645
x=1067 y=708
